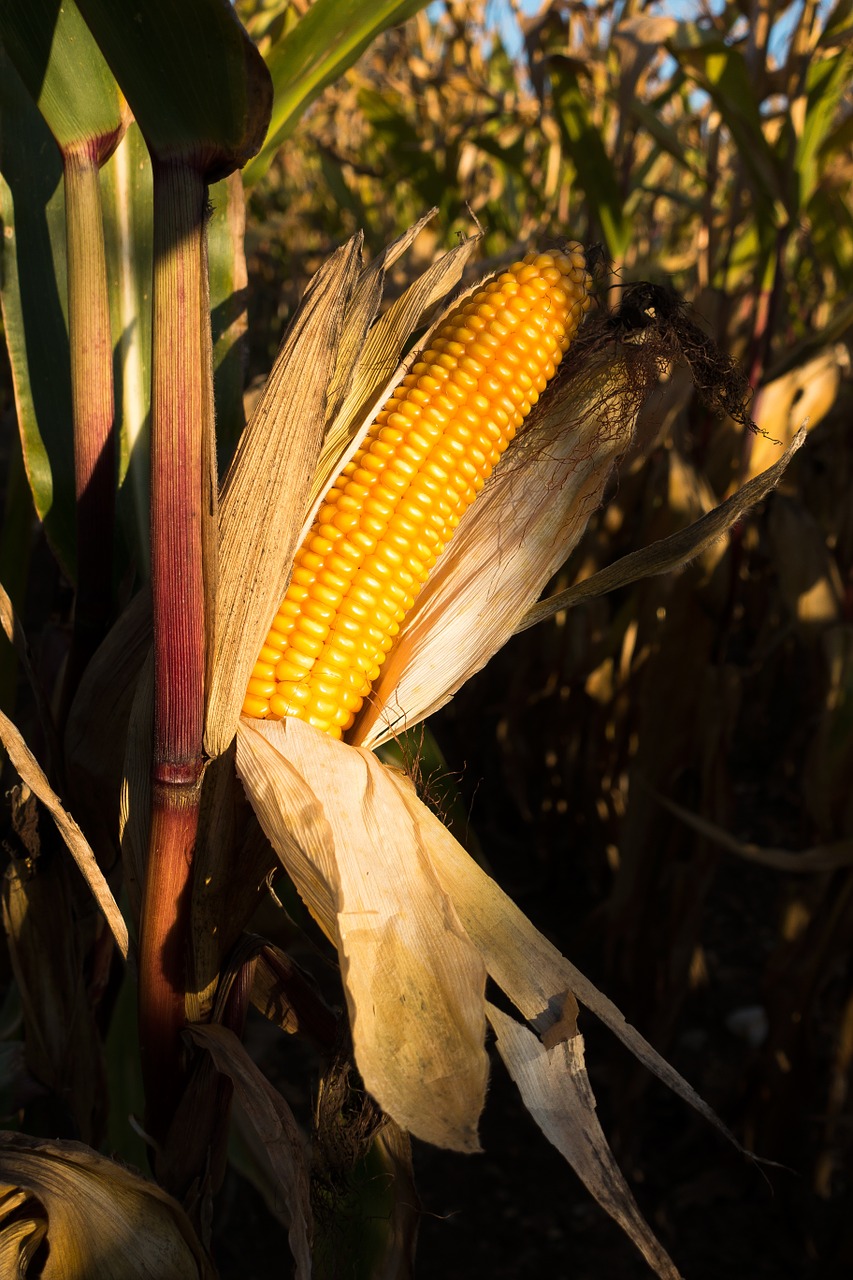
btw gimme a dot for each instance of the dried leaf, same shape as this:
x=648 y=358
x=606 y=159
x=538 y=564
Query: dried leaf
x=414 y=982
x=30 y=771
x=100 y=1219
x=522 y=962
x=361 y=312
x=379 y=369
x=555 y=1088
x=273 y=1121
x=824 y=857
x=669 y=553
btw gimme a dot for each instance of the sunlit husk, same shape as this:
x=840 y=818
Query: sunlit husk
x=333 y=372
x=555 y=1089
x=390 y=886
x=414 y=981
x=510 y=542
x=100 y=1219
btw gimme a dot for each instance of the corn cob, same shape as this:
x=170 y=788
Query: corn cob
x=394 y=506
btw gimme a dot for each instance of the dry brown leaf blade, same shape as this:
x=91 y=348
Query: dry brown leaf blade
x=275 y=1125
x=824 y=857
x=555 y=1089
x=362 y=311
x=414 y=982
x=528 y=968
x=102 y=1220
x=265 y=494
x=30 y=771
x=670 y=553
x=379 y=366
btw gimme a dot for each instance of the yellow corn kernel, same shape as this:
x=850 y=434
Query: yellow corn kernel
x=395 y=505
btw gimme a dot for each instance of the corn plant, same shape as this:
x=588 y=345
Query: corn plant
x=142 y=733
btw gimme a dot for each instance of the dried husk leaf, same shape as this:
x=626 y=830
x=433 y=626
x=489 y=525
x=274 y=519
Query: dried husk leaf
x=413 y=980
x=672 y=553
x=102 y=1220
x=379 y=368
x=534 y=975
x=361 y=312
x=20 y=1237
x=528 y=968
x=555 y=1089
x=274 y=1123
x=30 y=771
x=510 y=541
x=265 y=493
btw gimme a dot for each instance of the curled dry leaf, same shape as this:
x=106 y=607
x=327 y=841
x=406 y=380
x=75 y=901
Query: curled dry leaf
x=670 y=553
x=273 y=1121
x=30 y=771
x=414 y=982
x=296 y=779
x=822 y=857
x=555 y=1088
x=99 y=1219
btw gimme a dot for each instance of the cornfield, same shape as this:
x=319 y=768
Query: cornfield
x=588 y=789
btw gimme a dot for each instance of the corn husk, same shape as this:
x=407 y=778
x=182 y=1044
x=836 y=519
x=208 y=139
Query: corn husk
x=520 y=530
x=401 y=954
x=555 y=1088
x=414 y=982
x=99 y=1219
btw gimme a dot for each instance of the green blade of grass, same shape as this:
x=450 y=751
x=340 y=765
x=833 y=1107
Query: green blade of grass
x=331 y=36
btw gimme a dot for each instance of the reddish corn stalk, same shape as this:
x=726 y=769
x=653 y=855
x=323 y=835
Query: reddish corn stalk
x=180 y=420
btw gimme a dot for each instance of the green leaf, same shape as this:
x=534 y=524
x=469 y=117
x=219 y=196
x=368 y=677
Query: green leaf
x=32 y=212
x=585 y=146
x=64 y=70
x=126 y=184
x=195 y=82
x=228 y=288
x=331 y=36
x=722 y=72
x=827 y=80
x=664 y=135
x=16 y=538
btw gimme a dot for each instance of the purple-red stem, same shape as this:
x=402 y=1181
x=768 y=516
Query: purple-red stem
x=178 y=408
